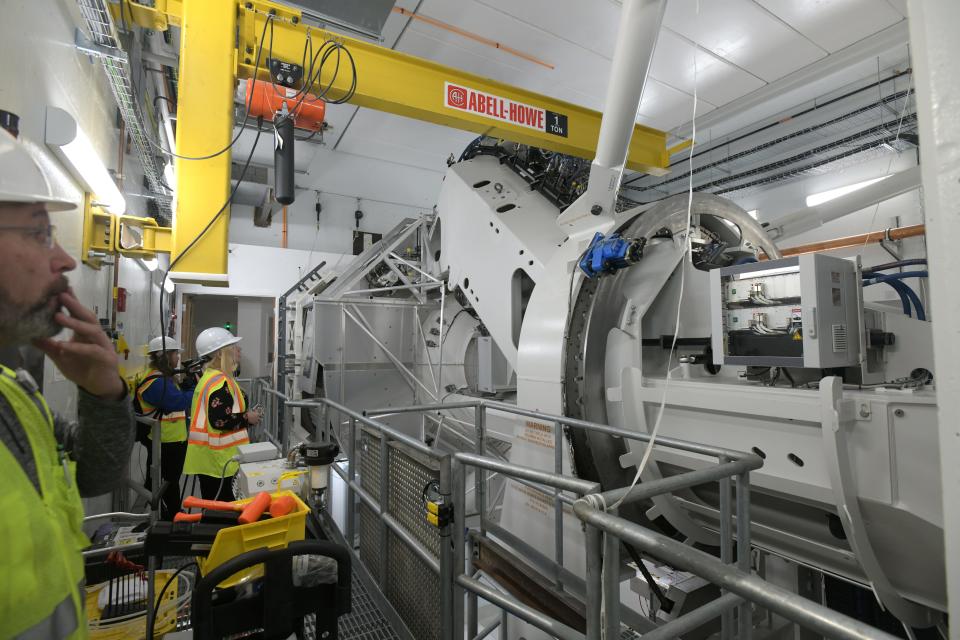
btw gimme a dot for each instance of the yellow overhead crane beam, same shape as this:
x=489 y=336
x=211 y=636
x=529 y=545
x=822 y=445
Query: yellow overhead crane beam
x=219 y=41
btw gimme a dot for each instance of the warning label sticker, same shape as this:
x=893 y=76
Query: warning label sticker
x=503 y=109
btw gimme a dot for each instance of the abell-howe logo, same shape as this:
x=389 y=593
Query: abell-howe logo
x=457 y=96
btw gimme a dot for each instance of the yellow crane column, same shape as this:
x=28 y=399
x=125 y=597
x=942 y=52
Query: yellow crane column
x=204 y=127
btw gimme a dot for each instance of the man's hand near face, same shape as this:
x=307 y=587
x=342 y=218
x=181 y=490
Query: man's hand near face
x=88 y=358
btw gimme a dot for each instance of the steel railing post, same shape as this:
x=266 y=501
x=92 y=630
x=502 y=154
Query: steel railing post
x=745 y=611
x=611 y=584
x=472 y=624
x=384 y=499
x=446 y=554
x=726 y=545
x=480 y=475
x=352 y=474
x=458 y=477
x=594 y=582
x=558 y=503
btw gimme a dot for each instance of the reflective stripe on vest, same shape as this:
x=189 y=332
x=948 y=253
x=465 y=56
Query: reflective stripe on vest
x=200 y=435
x=59 y=624
x=174 y=424
x=41 y=531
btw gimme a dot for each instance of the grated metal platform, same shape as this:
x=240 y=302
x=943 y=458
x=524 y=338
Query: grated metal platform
x=365 y=621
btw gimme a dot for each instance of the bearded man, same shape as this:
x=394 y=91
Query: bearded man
x=46 y=462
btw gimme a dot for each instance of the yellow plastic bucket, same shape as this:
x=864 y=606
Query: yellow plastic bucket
x=273 y=533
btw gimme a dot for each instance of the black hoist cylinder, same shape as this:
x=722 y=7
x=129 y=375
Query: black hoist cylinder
x=283 y=172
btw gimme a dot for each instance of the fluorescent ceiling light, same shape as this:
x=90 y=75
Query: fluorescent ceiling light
x=170 y=177
x=71 y=144
x=826 y=196
x=776 y=271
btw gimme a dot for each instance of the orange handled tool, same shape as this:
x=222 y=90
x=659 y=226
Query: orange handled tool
x=210 y=517
x=282 y=506
x=255 y=508
x=193 y=502
x=187 y=517
x=250 y=512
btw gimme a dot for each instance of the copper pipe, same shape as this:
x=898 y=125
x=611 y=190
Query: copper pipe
x=283 y=241
x=472 y=36
x=874 y=237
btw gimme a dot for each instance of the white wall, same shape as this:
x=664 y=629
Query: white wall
x=42 y=68
x=266 y=272
x=388 y=191
x=263 y=272
x=253 y=323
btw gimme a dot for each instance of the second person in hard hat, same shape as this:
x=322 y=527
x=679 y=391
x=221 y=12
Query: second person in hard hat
x=161 y=397
x=219 y=416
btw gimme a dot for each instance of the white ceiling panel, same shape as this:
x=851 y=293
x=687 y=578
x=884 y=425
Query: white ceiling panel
x=743 y=33
x=486 y=62
x=900 y=6
x=570 y=60
x=368 y=177
x=337 y=117
x=403 y=140
x=395 y=23
x=591 y=25
x=664 y=107
x=576 y=95
x=717 y=81
x=834 y=24
x=743 y=44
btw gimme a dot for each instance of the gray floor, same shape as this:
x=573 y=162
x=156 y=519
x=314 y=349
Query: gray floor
x=365 y=622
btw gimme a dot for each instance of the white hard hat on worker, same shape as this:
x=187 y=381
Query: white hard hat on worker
x=161 y=343
x=213 y=339
x=21 y=178
x=32 y=264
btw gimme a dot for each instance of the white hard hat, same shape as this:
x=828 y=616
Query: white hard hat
x=22 y=179
x=157 y=344
x=214 y=339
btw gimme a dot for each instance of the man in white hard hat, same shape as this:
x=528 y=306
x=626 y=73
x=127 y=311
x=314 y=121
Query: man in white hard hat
x=159 y=396
x=46 y=463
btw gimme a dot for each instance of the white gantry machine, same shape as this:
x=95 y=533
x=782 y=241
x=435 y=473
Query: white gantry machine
x=681 y=320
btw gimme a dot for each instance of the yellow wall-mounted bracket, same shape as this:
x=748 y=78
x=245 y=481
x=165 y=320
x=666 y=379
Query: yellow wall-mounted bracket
x=105 y=235
x=159 y=17
x=141 y=237
x=99 y=233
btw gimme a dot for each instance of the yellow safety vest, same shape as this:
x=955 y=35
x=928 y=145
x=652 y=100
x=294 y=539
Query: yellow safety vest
x=41 y=593
x=173 y=425
x=209 y=450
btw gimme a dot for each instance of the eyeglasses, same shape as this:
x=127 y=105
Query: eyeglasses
x=44 y=234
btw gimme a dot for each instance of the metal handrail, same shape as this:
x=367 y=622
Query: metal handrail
x=603 y=529
x=545 y=623
x=753 y=588
x=662 y=441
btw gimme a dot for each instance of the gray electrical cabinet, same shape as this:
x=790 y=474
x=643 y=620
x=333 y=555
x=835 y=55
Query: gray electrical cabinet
x=801 y=311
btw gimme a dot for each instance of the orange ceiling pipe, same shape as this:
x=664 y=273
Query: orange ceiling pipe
x=472 y=36
x=874 y=237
